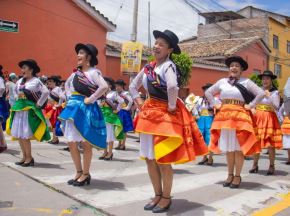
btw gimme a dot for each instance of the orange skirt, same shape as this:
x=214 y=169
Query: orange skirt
x=285 y=128
x=235 y=117
x=269 y=130
x=52 y=113
x=177 y=138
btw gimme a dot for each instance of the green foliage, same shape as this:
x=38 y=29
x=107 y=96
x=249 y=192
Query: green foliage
x=150 y=58
x=254 y=77
x=184 y=63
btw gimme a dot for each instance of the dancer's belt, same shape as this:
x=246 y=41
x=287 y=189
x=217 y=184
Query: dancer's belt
x=233 y=101
x=265 y=107
x=22 y=96
x=205 y=112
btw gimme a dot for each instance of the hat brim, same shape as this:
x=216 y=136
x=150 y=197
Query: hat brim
x=80 y=46
x=206 y=86
x=160 y=34
x=35 y=67
x=242 y=62
x=260 y=76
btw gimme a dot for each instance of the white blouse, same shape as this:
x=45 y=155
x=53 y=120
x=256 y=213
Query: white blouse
x=2 y=87
x=94 y=76
x=273 y=100
x=115 y=99
x=228 y=91
x=57 y=91
x=287 y=97
x=126 y=95
x=35 y=85
x=167 y=74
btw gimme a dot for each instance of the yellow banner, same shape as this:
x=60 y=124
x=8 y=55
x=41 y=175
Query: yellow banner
x=131 y=57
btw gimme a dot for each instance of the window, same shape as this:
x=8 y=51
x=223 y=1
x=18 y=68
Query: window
x=288 y=46
x=275 y=42
x=277 y=70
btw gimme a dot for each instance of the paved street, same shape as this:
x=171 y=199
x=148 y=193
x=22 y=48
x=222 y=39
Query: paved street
x=122 y=187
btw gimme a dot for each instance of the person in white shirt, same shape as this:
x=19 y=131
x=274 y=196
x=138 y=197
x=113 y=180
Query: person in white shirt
x=26 y=120
x=268 y=125
x=82 y=118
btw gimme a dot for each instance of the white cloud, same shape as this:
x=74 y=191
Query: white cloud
x=174 y=15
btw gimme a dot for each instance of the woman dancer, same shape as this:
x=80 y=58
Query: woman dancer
x=3 y=111
x=82 y=118
x=269 y=130
x=232 y=130
x=168 y=133
x=26 y=120
x=110 y=105
x=54 y=106
x=125 y=113
x=204 y=122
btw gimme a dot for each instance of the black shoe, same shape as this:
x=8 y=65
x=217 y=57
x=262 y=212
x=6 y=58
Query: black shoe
x=287 y=163
x=209 y=163
x=55 y=142
x=71 y=181
x=66 y=149
x=121 y=147
x=233 y=186
x=109 y=158
x=158 y=209
x=85 y=181
x=103 y=156
x=227 y=184
x=203 y=162
x=19 y=163
x=271 y=170
x=150 y=206
x=254 y=170
x=31 y=163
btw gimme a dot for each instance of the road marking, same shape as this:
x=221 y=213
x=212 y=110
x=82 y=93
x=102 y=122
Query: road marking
x=276 y=208
x=246 y=202
x=104 y=174
x=106 y=199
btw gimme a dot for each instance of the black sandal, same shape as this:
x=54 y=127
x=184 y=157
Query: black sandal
x=150 y=206
x=227 y=184
x=158 y=209
x=233 y=186
x=70 y=182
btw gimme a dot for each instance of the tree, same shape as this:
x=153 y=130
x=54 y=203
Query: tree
x=254 y=77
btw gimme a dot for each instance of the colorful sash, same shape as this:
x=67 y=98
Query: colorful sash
x=83 y=85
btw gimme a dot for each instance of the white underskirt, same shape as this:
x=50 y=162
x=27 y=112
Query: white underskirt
x=146 y=146
x=286 y=141
x=20 y=127
x=228 y=141
x=110 y=133
x=71 y=133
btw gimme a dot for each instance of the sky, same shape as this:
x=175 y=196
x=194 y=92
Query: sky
x=176 y=15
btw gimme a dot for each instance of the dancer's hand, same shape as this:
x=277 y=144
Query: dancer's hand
x=247 y=107
x=87 y=101
x=253 y=111
x=172 y=111
x=267 y=94
x=217 y=107
x=139 y=102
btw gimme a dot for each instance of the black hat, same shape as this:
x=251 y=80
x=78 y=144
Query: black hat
x=206 y=86
x=91 y=49
x=267 y=73
x=54 y=79
x=239 y=59
x=110 y=81
x=30 y=63
x=170 y=37
x=120 y=82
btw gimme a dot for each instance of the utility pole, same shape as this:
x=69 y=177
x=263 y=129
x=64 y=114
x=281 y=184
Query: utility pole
x=149 y=23
x=135 y=21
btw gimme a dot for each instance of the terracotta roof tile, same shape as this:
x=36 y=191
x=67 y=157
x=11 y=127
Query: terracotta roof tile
x=225 y=47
